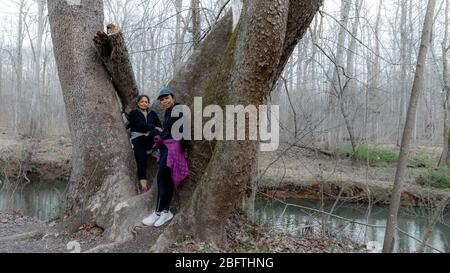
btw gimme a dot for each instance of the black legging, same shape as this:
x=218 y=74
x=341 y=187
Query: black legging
x=140 y=146
x=165 y=184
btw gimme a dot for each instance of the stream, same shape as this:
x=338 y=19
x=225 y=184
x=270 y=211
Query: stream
x=44 y=200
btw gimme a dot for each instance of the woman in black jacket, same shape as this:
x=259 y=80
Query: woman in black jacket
x=144 y=125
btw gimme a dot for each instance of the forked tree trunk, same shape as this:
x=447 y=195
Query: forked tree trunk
x=256 y=55
x=229 y=67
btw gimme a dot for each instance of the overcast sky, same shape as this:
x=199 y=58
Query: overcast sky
x=10 y=7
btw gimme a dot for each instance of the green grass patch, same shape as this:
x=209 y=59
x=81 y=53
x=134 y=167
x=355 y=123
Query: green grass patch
x=439 y=178
x=376 y=154
x=184 y=238
x=365 y=153
x=419 y=161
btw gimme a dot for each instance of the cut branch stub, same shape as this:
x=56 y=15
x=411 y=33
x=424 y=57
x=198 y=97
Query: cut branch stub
x=114 y=54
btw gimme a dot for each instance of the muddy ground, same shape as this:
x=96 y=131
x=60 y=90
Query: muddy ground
x=303 y=173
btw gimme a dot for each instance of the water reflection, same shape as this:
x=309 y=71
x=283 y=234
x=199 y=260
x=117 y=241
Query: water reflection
x=276 y=215
x=39 y=199
x=44 y=200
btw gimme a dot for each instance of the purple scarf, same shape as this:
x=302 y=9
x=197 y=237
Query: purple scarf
x=175 y=159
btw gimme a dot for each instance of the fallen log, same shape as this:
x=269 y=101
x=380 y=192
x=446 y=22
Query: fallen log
x=315 y=149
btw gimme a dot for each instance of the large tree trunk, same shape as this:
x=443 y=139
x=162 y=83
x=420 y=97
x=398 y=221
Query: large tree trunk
x=103 y=166
x=102 y=162
x=256 y=55
x=229 y=67
x=391 y=227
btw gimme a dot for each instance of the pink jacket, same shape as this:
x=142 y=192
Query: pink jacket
x=175 y=159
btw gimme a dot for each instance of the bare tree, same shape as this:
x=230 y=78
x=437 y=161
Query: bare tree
x=19 y=66
x=34 y=114
x=196 y=22
x=444 y=160
x=338 y=71
x=178 y=33
x=347 y=90
x=403 y=69
x=407 y=133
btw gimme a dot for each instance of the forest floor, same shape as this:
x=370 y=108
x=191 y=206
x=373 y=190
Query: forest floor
x=297 y=172
x=306 y=174
x=21 y=234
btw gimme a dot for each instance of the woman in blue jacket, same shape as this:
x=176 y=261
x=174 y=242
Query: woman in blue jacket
x=144 y=125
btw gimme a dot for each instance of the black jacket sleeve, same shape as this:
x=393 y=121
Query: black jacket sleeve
x=167 y=133
x=138 y=123
x=155 y=119
x=168 y=123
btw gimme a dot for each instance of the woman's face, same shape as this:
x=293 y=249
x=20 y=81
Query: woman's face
x=167 y=101
x=143 y=103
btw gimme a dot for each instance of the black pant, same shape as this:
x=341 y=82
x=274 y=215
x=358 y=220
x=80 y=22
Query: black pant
x=140 y=146
x=165 y=184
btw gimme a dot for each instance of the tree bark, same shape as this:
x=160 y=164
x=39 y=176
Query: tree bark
x=255 y=57
x=102 y=162
x=114 y=54
x=196 y=23
x=407 y=133
x=179 y=39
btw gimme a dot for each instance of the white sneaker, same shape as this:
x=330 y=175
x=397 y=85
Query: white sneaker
x=164 y=218
x=149 y=221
